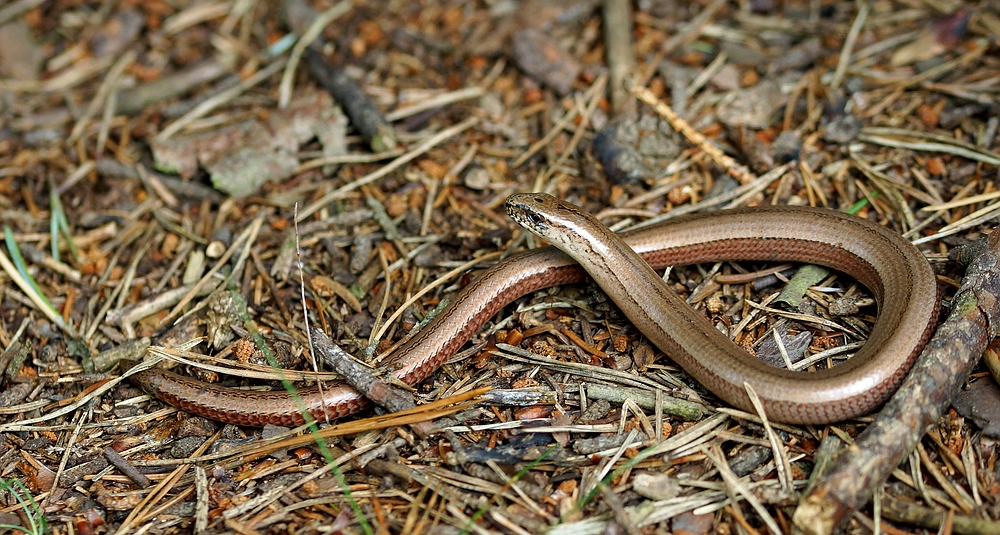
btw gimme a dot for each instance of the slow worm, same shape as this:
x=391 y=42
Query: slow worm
x=889 y=266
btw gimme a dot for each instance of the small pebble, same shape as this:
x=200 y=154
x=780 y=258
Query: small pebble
x=196 y=426
x=842 y=129
x=215 y=249
x=477 y=179
x=656 y=486
x=184 y=447
x=753 y=107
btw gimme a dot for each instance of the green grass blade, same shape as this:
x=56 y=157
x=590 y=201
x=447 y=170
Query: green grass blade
x=22 y=267
x=36 y=519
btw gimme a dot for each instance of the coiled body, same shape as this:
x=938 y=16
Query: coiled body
x=892 y=269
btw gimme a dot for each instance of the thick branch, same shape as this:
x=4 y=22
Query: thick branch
x=938 y=373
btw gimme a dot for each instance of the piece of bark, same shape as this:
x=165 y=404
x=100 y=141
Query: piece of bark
x=980 y=402
x=126 y=468
x=243 y=155
x=901 y=511
x=927 y=391
x=533 y=491
x=13 y=357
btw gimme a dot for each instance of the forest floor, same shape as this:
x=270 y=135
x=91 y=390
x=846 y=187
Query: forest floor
x=205 y=182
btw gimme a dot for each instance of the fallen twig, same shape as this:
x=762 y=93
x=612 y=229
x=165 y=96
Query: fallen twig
x=938 y=373
x=364 y=381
